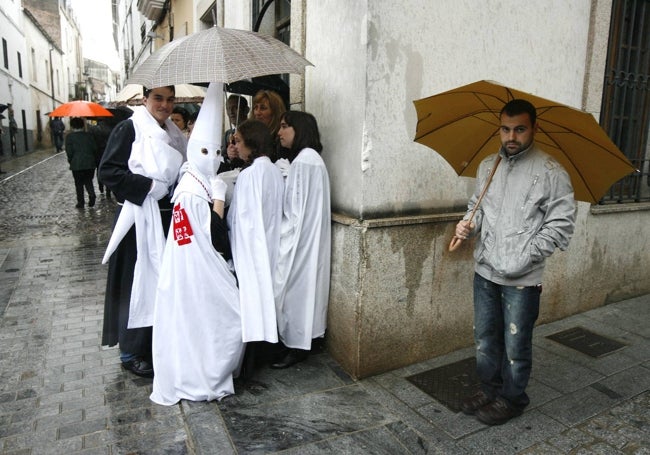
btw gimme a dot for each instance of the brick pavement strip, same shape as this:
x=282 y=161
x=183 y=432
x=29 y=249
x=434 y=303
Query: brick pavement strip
x=60 y=391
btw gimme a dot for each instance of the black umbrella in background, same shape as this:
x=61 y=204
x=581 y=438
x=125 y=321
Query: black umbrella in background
x=255 y=84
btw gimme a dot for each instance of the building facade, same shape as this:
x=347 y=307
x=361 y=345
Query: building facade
x=45 y=61
x=397 y=294
x=42 y=68
x=18 y=124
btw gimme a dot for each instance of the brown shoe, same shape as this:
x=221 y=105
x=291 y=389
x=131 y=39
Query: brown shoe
x=472 y=403
x=497 y=413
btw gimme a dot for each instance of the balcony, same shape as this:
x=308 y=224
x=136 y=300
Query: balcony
x=151 y=9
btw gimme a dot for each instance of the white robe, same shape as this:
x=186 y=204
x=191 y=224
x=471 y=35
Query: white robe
x=196 y=332
x=158 y=154
x=254 y=220
x=302 y=277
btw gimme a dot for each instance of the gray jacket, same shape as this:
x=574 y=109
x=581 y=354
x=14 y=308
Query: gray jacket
x=527 y=212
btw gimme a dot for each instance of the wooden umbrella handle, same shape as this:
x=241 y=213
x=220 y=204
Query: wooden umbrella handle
x=456 y=241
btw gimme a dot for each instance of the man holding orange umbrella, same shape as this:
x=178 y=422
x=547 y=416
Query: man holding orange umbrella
x=526 y=213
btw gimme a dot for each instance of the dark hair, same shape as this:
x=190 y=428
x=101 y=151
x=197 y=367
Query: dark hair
x=184 y=113
x=519 y=106
x=77 y=123
x=243 y=102
x=306 y=131
x=192 y=117
x=146 y=91
x=257 y=138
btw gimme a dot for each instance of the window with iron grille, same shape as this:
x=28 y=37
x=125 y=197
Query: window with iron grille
x=625 y=112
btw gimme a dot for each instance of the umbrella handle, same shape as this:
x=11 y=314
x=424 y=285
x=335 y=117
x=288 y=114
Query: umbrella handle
x=456 y=241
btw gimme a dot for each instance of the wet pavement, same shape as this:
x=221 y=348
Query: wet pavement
x=62 y=393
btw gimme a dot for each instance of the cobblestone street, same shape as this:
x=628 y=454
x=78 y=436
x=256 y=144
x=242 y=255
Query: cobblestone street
x=62 y=393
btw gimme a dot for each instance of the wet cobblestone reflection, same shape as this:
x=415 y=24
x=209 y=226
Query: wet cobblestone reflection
x=62 y=393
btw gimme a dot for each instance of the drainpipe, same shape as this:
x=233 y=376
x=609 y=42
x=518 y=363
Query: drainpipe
x=52 y=78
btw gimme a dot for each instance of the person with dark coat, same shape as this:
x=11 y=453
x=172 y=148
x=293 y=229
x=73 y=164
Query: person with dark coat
x=148 y=135
x=100 y=133
x=58 y=128
x=81 y=151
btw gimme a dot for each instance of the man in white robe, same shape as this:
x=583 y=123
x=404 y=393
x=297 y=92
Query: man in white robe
x=133 y=266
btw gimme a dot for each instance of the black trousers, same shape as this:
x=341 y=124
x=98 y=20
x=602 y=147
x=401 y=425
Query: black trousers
x=84 y=179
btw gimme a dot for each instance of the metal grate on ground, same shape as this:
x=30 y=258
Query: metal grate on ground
x=587 y=342
x=449 y=384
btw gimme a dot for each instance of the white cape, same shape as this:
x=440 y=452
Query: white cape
x=254 y=219
x=302 y=279
x=152 y=155
x=197 y=331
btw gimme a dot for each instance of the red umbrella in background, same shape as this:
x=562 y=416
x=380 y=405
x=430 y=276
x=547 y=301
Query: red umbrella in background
x=80 y=109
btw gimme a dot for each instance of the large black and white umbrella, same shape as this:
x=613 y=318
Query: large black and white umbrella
x=217 y=55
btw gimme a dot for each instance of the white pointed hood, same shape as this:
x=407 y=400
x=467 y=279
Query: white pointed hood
x=204 y=146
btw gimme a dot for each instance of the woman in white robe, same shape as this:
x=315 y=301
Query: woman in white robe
x=302 y=279
x=254 y=219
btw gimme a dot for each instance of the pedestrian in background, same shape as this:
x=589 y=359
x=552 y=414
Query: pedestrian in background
x=302 y=278
x=268 y=108
x=81 y=151
x=527 y=212
x=148 y=135
x=237 y=110
x=100 y=132
x=2 y=132
x=58 y=128
x=181 y=117
x=13 y=131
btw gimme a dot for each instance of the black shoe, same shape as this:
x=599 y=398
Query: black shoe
x=291 y=358
x=139 y=367
x=79 y=205
x=475 y=402
x=497 y=413
x=91 y=201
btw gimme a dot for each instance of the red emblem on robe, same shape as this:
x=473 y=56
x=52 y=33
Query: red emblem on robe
x=182 y=227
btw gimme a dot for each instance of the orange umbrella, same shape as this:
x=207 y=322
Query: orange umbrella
x=80 y=109
x=463 y=126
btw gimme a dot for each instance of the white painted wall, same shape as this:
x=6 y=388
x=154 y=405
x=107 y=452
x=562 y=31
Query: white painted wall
x=38 y=76
x=14 y=88
x=336 y=38
x=39 y=67
x=373 y=58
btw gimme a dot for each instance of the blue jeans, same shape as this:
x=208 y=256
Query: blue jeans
x=504 y=317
